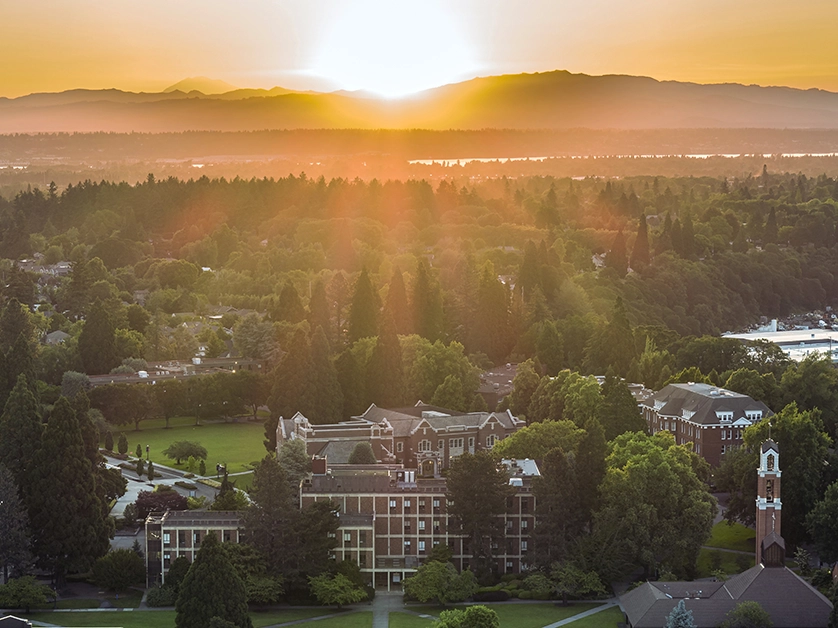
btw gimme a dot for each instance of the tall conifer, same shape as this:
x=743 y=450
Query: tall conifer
x=66 y=514
x=640 y=252
x=385 y=378
x=427 y=304
x=363 y=313
x=20 y=434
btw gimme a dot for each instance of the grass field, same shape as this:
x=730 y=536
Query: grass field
x=517 y=615
x=235 y=444
x=352 y=620
x=166 y=619
x=732 y=537
x=729 y=562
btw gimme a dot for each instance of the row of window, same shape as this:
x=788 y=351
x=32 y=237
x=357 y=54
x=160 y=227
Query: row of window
x=453 y=443
x=227 y=535
x=407 y=503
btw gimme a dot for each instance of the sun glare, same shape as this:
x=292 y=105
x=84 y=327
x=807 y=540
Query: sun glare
x=393 y=48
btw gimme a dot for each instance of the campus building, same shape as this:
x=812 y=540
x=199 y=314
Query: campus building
x=422 y=437
x=786 y=597
x=391 y=519
x=711 y=418
x=179 y=533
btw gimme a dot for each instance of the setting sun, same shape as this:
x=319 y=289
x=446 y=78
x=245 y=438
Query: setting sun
x=392 y=48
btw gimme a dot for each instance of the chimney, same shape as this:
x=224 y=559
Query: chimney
x=318 y=465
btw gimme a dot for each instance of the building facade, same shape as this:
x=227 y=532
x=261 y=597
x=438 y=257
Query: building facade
x=179 y=533
x=390 y=520
x=711 y=418
x=422 y=437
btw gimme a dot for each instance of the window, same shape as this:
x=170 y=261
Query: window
x=724 y=435
x=523 y=546
x=436 y=503
x=181 y=538
x=421 y=505
x=440 y=444
x=490 y=440
x=770 y=462
x=400 y=447
x=362 y=559
x=407 y=547
x=509 y=564
x=421 y=525
x=421 y=547
x=392 y=503
x=424 y=445
x=407 y=504
x=196 y=539
x=523 y=524
x=407 y=525
x=228 y=536
x=347 y=536
x=166 y=538
x=769 y=490
x=471 y=443
x=509 y=524
x=455 y=443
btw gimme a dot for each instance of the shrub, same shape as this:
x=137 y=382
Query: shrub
x=119 y=569
x=161 y=596
x=130 y=514
x=139 y=451
x=525 y=595
x=122 y=445
x=109 y=441
x=491 y=596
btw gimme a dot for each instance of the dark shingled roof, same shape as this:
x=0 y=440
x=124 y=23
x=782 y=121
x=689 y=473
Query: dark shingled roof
x=789 y=600
x=703 y=401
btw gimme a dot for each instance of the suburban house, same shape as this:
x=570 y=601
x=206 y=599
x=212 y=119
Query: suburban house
x=710 y=418
x=422 y=437
x=786 y=597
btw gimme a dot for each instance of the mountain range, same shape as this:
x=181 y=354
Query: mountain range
x=550 y=100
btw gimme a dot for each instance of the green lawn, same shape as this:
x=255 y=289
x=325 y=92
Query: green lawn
x=166 y=619
x=406 y=620
x=523 y=615
x=731 y=563
x=235 y=444
x=350 y=620
x=732 y=537
x=134 y=619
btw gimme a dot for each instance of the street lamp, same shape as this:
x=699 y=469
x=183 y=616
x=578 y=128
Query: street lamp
x=146 y=452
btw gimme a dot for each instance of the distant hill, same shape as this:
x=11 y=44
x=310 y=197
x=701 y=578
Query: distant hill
x=552 y=100
x=201 y=84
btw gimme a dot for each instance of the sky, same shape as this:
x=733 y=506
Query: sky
x=394 y=47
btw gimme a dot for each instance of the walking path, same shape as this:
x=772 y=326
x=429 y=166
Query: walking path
x=608 y=604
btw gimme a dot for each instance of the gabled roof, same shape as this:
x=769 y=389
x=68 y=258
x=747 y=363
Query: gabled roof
x=703 y=402
x=786 y=597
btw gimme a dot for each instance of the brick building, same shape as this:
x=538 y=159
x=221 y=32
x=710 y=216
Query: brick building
x=391 y=519
x=711 y=418
x=422 y=437
x=179 y=533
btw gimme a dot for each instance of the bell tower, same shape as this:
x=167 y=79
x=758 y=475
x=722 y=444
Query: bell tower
x=770 y=547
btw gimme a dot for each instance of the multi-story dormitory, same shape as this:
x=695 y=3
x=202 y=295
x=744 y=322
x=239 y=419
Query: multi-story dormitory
x=392 y=518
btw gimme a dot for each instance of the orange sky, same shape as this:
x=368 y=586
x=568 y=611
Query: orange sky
x=393 y=46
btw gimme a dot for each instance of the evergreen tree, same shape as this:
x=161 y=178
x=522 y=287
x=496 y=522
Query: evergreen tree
x=559 y=518
x=770 y=233
x=291 y=386
x=109 y=441
x=617 y=258
x=385 y=378
x=614 y=347
x=97 y=344
x=640 y=253
x=211 y=588
x=680 y=617
x=687 y=238
x=20 y=435
x=66 y=512
x=14 y=321
x=590 y=467
x=492 y=317
x=397 y=306
x=362 y=454
x=326 y=395
x=20 y=360
x=426 y=304
x=289 y=308
x=363 y=312
x=14 y=538
x=319 y=312
x=619 y=412
x=352 y=383
x=550 y=348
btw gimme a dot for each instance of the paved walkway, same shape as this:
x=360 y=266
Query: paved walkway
x=383 y=604
x=610 y=603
